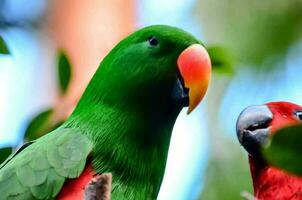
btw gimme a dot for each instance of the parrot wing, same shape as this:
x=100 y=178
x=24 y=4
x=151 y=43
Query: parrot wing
x=40 y=170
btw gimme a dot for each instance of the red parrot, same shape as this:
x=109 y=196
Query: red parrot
x=254 y=126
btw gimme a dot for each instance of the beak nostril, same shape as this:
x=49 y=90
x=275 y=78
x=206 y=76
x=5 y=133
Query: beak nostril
x=260 y=125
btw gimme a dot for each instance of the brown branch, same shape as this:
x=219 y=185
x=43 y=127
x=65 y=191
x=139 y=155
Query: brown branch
x=99 y=188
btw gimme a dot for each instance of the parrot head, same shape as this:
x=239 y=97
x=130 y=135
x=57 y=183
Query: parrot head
x=255 y=125
x=157 y=67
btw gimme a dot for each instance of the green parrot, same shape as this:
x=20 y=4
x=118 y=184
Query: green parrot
x=122 y=124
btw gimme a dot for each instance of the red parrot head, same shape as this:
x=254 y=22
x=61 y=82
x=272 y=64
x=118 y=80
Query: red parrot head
x=255 y=125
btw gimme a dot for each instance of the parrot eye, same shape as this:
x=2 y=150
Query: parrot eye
x=153 y=41
x=299 y=114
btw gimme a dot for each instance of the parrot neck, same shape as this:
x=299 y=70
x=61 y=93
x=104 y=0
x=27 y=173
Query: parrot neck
x=272 y=183
x=129 y=142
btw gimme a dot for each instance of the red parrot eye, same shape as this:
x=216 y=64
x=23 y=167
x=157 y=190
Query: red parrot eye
x=299 y=114
x=153 y=41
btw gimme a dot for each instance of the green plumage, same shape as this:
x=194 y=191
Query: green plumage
x=39 y=171
x=123 y=121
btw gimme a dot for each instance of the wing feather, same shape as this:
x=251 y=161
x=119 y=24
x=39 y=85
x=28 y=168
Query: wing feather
x=40 y=170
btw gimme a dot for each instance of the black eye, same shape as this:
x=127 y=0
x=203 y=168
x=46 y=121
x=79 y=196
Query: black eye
x=153 y=41
x=299 y=114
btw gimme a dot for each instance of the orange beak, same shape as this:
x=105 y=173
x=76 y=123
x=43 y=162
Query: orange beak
x=194 y=65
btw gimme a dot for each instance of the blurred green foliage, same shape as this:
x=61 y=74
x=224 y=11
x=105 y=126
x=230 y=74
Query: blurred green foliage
x=39 y=125
x=253 y=30
x=285 y=149
x=4 y=153
x=3 y=47
x=64 y=70
x=222 y=61
x=36 y=127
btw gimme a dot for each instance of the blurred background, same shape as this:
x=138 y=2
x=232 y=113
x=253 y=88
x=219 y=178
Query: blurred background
x=55 y=47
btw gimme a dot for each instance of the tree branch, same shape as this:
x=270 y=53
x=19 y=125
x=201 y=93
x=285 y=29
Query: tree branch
x=99 y=188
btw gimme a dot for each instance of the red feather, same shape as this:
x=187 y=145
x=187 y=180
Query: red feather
x=271 y=183
x=73 y=189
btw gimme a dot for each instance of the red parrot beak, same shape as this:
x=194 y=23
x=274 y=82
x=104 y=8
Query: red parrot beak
x=194 y=65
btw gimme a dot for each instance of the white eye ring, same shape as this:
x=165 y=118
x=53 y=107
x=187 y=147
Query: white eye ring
x=298 y=114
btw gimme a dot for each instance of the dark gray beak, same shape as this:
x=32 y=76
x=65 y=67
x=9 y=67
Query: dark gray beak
x=180 y=94
x=253 y=128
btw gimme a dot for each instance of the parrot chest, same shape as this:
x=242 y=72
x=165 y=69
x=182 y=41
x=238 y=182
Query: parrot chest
x=275 y=184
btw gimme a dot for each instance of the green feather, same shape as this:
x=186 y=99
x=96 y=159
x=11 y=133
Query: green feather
x=40 y=170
